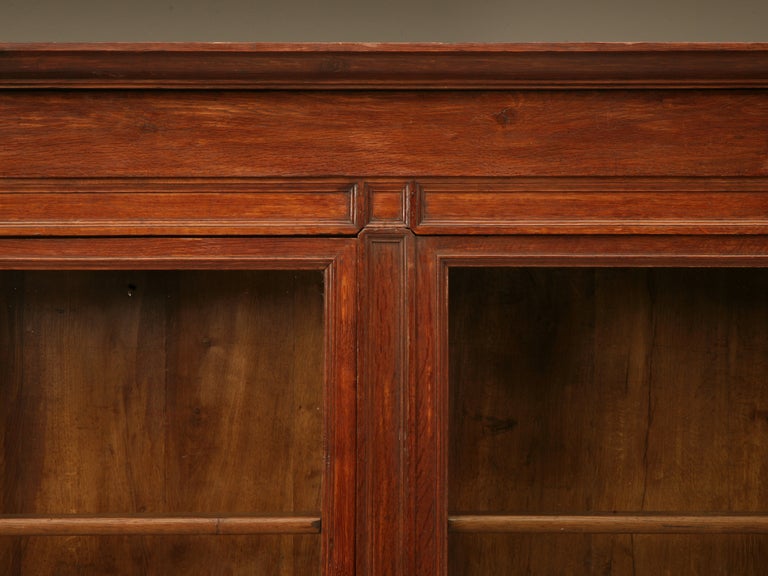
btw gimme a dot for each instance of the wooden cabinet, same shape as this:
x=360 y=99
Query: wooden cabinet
x=409 y=310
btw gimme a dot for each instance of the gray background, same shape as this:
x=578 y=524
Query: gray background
x=390 y=21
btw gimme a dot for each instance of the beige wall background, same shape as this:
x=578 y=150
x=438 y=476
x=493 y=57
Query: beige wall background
x=385 y=21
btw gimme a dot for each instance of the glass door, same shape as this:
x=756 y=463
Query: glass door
x=178 y=414
x=598 y=415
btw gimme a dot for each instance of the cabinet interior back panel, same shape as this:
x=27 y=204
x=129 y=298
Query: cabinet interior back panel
x=287 y=555
x=607 y=554
x=156 y=392
x=608 y=390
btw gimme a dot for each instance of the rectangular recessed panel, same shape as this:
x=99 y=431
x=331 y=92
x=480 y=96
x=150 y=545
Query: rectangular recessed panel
x=593 y=206
x=181 y=206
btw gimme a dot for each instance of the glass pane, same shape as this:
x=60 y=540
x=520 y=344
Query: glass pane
x=161 y=392
x=606 y=391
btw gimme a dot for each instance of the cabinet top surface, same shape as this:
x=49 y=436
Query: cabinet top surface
x=431 y=47
x=384 y=66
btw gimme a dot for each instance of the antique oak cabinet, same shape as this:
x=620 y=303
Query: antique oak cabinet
x=408 y=310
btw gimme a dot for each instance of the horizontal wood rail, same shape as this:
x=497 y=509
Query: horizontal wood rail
x=156 y=525
x=613 y=523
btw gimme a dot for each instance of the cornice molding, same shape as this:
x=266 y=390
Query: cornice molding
x=383 y=66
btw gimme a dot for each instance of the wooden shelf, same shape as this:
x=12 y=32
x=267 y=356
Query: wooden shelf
x=612 y=523
x=156 y=525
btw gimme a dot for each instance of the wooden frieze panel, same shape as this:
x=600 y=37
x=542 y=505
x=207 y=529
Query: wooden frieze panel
x=203 y=134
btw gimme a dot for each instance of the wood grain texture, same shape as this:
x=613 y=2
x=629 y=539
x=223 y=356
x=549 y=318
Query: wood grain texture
x=596 y=250
x=339 y=530
x=386 y=372
x=436 y=257
x=388 y=203
x=393 y=134
x=142 y=388
x=608 y=390
x=592 y=206
x=12 y=383
x=605 y=554
x=160 y=555
x=428 y=444
x=610 y=523
x=27 y=525
x=71 y=207
x=113 y=423
x=589 y=390
x=174 y=253
x=340 y=403
x=382 y=66
x=257 y=352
